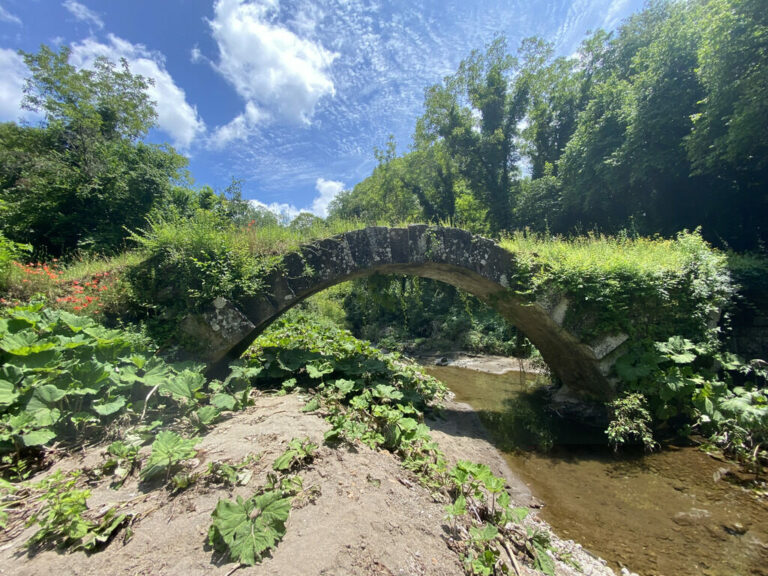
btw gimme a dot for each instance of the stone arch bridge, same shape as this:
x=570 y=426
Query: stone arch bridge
x=470 y=262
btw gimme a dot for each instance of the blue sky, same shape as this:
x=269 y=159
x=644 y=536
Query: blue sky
x=291 y=96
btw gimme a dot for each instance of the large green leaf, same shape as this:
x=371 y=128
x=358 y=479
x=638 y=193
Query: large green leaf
x=185 y=385
x=156 y=372
x=45 y=396
x=38 y=437
x=70 y=342
x=108 y=408
x=224 y=401
x=25 y=343
x=387 y=392
x=319 y=369
x=206 y=415
x=89 y=377
x=74 y=322
x=41 y=361
x=344 y=386
x=168 y=449
x=8 y=393
x=246 y=529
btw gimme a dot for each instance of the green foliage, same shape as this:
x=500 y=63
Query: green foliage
x=9 y=252
x=385 y=196
x=168 y=450
x=247 y=529
x=67 y=378
x=298 y=453
x=643 y=287
x=62 y=517
x=411 y=313
x=122 y=459
x=191 y=261
x=697 y=386
x=630 y=422
x=82 y=177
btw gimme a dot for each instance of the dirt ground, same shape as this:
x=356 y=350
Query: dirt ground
x=370 y=518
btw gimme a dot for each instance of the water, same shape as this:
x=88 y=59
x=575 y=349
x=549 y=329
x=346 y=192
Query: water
x=658 y=514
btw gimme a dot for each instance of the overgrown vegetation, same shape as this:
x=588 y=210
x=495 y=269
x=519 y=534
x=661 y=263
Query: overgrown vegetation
x=695 y=386
x=647 y=288
x=68 y=379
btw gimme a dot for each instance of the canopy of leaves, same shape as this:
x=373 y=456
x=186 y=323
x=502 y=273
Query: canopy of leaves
x=82 y=176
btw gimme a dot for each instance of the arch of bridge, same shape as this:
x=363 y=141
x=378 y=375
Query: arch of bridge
x=457 y=257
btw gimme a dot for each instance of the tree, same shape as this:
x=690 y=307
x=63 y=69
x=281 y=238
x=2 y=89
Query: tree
x=83 y=176
x=729 y=141
x=475 y=113
x=382 y=197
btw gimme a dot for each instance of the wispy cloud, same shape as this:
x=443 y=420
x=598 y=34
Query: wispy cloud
x=6 y=16
x=83 y=13
x=177 y=117
x=239 y=128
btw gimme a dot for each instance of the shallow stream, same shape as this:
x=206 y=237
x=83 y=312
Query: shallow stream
x=670 y=513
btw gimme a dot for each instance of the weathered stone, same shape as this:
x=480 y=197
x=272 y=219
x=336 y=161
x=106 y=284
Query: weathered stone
x=608 y=344
x=691 y=517
x=472 y=263
x=213 y=332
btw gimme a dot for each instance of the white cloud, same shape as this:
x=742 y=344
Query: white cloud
x=175 y=115
x=284 y=212
x=242 y=126
x=83 y=13
x=267 y=63
x=327 y=191
x=13 y=71
x=6 y=16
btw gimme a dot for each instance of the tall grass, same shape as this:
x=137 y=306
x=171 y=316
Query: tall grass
x=206 y=229
x=652 y=286
x=608 y=255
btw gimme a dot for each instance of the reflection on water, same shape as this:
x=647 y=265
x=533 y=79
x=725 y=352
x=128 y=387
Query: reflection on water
x=657 y=514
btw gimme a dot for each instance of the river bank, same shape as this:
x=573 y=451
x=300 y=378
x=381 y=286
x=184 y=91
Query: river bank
x=673 y=512
x=487 y=363
x=368 y=516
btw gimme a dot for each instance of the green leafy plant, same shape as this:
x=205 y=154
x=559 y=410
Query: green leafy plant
x=63 y=521
x=122 y=459
x=630 y=422
x=168 y=450
x=247 y=529
x=298 y=453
